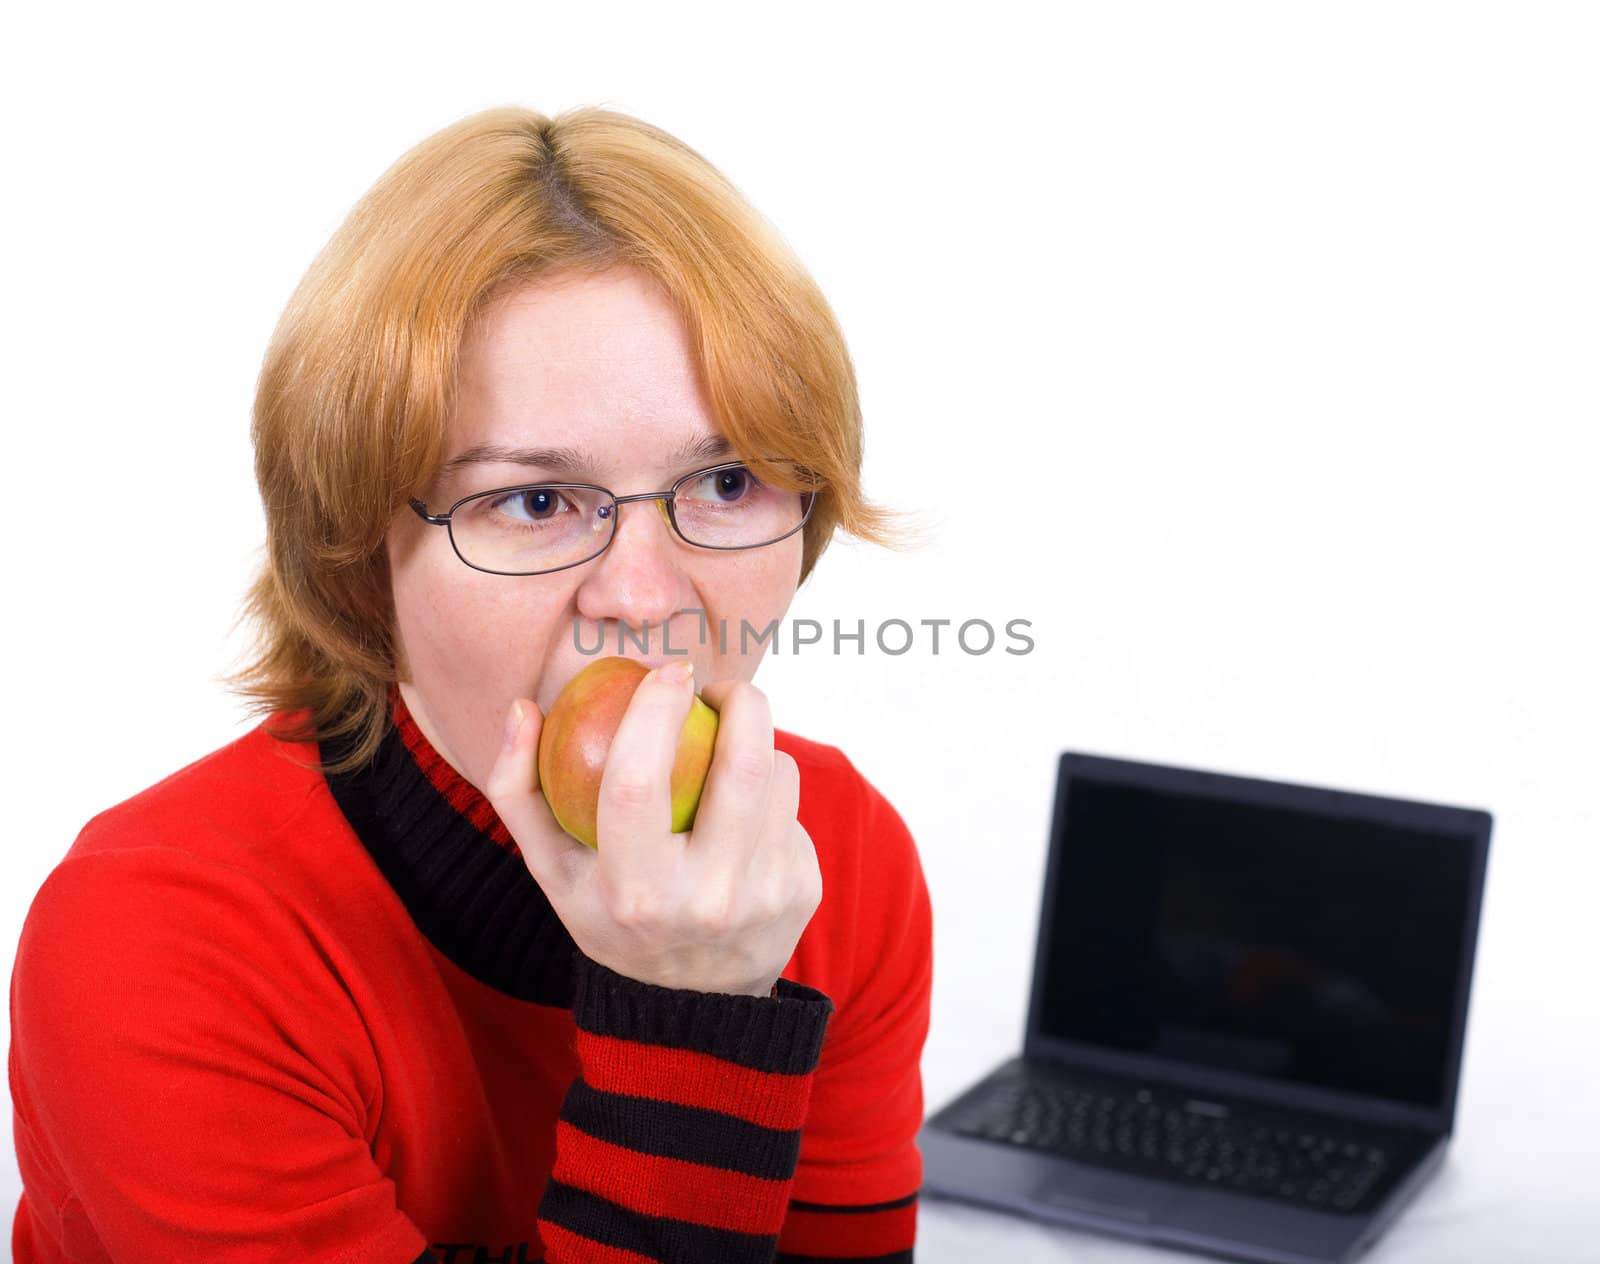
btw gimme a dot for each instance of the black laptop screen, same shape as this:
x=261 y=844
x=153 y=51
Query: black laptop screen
x=1299 y=946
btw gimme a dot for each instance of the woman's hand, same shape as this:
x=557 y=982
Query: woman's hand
x=717 y=909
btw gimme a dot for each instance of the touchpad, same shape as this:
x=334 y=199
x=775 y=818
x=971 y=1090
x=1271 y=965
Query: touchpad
x=1127 y=1201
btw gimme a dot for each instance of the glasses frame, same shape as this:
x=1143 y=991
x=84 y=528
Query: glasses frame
x=664 y=502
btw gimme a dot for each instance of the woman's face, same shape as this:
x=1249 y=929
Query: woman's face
x=600 y=365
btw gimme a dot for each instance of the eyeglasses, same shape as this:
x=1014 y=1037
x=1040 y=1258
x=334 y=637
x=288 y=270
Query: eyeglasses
x=536 y=528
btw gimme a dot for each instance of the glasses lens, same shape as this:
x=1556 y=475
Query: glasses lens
x=730 y=508
x=529 y=529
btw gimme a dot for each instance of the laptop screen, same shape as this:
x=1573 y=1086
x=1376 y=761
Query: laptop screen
x=1300 y=945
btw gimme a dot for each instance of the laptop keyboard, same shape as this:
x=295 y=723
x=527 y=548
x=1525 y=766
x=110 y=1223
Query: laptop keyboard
x=1162 y=1133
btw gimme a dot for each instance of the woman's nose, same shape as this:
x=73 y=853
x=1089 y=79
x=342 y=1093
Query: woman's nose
x=637 y=580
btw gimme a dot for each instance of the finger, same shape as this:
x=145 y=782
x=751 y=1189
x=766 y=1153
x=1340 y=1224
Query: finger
x=782 y=835
x=716 y=693
x=633 y=819
x=553 y=856
x=734 y=807
x=783 y=801
x=795 y=872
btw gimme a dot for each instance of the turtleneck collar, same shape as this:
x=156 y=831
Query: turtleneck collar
x=454 y=865
x=458 y=792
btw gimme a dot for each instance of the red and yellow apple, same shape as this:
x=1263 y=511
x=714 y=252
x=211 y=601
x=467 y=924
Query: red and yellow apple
x=576 y=739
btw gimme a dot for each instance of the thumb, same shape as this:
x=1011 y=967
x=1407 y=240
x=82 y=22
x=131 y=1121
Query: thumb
x=553 y=857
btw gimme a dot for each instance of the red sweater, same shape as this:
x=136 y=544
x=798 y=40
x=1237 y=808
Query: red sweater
x=262 y=1015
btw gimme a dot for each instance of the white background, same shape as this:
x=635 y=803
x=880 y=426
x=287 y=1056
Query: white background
x=1248 y=350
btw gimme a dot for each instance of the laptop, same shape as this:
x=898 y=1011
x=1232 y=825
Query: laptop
x=1248 y=1004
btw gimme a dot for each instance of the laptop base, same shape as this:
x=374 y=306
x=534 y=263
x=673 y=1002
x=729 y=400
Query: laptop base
x=1215 y=1222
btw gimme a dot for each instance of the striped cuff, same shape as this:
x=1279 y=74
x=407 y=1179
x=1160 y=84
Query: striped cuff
x=781 y=1034
x=680 y=1139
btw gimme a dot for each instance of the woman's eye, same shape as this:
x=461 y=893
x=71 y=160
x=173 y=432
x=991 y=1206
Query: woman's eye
x=724 y=486
x=537 y=504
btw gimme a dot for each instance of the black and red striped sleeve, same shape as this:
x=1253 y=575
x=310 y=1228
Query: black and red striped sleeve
x=679 y=1139
x=855 y=1190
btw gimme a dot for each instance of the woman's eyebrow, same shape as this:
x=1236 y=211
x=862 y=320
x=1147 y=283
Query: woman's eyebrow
x=710 y=447
x=571 y=462
x=567 y=461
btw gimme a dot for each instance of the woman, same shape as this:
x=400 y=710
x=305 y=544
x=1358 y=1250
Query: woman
x=343 y=990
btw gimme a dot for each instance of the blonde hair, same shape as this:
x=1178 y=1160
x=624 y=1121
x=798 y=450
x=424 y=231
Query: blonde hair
x=357 y=386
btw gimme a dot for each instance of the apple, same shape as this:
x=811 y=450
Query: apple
x=576 y=738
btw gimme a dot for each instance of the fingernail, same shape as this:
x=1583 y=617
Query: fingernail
x=678 y=671
x=513 y=724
